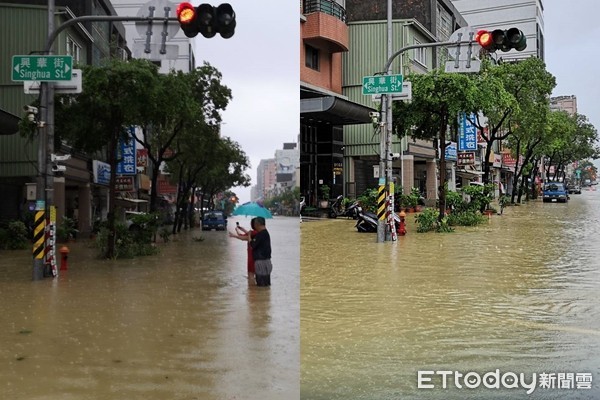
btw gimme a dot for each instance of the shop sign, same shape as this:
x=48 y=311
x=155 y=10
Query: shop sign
x=101 y=172
x=124 y=184
x=126 y=154
x=466 y=158
x=142 y=158
x=467 y=135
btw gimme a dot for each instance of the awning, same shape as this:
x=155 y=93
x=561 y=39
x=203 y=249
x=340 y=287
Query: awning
x=468 y=173
x=9 y=123
x=334 y=110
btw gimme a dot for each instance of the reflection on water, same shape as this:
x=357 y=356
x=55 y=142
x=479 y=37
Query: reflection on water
x=182 y=325
x=519 y=294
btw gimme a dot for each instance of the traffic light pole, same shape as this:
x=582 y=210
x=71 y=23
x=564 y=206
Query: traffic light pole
x=385 y=159
x=45 y=179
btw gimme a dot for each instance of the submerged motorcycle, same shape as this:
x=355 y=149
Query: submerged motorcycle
x=337 y=209
x=367 y=221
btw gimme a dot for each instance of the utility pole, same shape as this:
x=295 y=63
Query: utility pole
x=385 y=162
x=388 y=131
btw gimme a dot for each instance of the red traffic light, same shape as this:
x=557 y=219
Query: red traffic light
x=499 y=39
x=186 y=15
x=484 y=38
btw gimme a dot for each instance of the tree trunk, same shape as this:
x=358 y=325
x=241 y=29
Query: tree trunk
x=486 y=164
x=442 y=184
x=112 y=194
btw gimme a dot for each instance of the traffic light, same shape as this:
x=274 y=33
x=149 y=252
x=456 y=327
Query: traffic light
x=504 y=40
x=206 y=20
x=186 y=15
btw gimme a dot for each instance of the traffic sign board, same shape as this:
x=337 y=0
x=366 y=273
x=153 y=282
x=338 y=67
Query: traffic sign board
x=405 y=95
x=382 y=84
x=42 y=68
x=462 y=52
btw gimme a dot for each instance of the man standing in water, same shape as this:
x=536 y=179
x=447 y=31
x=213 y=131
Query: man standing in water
x=261 y=252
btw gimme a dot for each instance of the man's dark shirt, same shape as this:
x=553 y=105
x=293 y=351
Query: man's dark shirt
x=261 y=245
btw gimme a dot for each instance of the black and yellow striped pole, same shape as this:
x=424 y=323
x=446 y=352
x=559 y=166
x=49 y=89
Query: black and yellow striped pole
x=381 y=209
x=39 y=235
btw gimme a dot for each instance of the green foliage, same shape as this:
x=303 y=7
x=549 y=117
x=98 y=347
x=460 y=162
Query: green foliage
x=325 y=191
x=481 y=196
x=128 y=244
x=13 y=236
x=427 y=220
x=368 y=200
x=287 y=199
x=454 y=200
x=148 y=223
x=405 y=200
x=444 y=226
x=67 y=229
x=437 y=97
x=465 y=218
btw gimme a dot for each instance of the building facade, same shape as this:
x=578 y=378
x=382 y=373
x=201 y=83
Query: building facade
x=288 y=162
x=527 y=15
x=266 y=178
x=324 y=109
x=413 y=23
x=24 y=31
x=564 y=103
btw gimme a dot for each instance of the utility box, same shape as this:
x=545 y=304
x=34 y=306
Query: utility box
x=31 y=191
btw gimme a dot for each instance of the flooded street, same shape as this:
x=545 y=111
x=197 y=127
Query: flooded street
x=185 y=324
x=518 y=294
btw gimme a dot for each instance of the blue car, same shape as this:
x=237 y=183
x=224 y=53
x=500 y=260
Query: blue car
x=214 y=220
x=555 y=191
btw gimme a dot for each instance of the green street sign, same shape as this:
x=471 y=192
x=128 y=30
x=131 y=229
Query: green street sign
x=42 y=68
x=382 y=84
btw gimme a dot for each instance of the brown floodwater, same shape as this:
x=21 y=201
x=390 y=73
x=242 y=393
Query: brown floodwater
x=185 y=324
x=518 y=294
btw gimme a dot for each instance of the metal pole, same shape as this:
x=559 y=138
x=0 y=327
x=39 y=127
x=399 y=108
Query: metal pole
x=50 y=136
x=388 y=131
x=386 y=120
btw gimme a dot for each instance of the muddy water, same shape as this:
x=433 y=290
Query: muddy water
x=186 y=324
x=518 y=294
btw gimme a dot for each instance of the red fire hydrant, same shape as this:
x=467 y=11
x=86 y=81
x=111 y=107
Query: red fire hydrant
x=402 y=227
x=64 y=254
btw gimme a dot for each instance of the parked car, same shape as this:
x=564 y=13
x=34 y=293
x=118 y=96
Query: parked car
x=214 y=220
x=575 y=189
x=555 y=191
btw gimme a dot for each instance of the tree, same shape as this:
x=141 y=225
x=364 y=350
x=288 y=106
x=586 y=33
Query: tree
x=116 y=96
x=437 y=100
x=184 y=102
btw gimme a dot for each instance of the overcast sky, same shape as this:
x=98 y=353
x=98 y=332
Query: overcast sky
x=572 y=30
x=261 y=65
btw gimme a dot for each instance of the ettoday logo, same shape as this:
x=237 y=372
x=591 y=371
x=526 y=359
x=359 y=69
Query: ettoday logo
x=472 y=380
x=507 y=380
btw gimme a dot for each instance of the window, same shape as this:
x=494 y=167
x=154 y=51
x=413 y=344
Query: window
x=444 y=24
x=73 y=49
x=420 y=54
x=312 y=57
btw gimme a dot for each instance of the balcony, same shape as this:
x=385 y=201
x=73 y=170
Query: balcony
x=328 y=7
x=325 y=27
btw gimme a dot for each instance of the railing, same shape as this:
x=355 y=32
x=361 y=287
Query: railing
x=325 y=6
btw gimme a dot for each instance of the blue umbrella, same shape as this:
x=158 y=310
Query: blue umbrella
x=252 y=209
